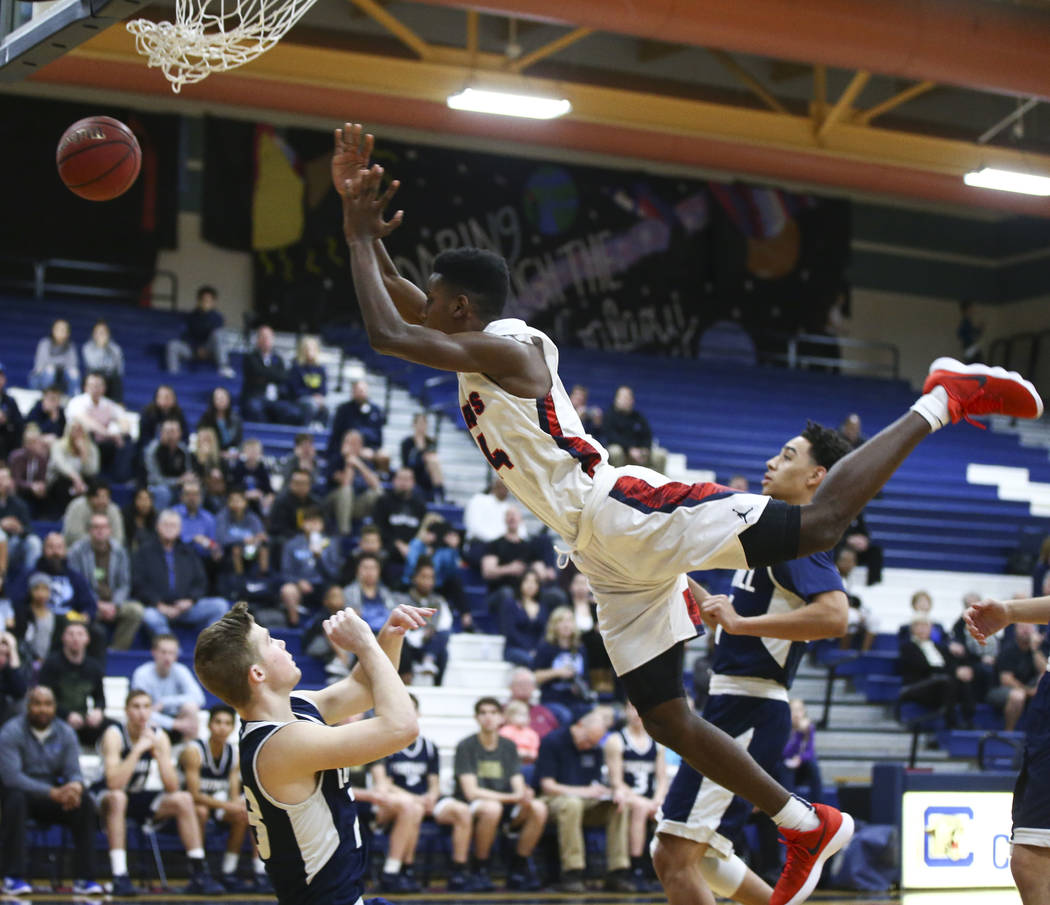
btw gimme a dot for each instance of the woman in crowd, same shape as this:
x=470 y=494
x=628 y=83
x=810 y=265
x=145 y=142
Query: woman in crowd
x=308 y=383
x=73 y=460
x=561 y=668
x=103 y=356
x=56 y=361
x=206 y=453
x=523 y=622
x=419 y=452
x=164 y=407
x=140 y=519
x=221 y=417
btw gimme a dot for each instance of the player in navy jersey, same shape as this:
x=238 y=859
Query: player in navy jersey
x=761 y=630
x=633 y=532
x=637 y=766
x=1030 y=859
x=295 y=765
x=414 y=772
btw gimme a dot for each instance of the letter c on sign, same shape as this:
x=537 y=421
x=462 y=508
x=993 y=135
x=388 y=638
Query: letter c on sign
x=1000 y=851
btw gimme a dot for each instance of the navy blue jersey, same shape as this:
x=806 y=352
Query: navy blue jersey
x=215 y=774
x=410 y=766
x=140 y=772
x=313 y=850
x=561 y=760
x=639 y=766
x=777 y=589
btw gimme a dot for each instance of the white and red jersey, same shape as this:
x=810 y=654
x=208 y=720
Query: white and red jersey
x=538 y=446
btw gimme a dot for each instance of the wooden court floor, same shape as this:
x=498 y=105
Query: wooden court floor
x=944 y=897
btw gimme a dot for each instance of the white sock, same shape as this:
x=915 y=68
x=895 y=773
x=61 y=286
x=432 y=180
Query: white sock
x=934 y=408
x=391 y=866
x=258 y=865
x=195 y=854
x=797 y=815
x=229 y=862
x=723 y=875
x=118 y=862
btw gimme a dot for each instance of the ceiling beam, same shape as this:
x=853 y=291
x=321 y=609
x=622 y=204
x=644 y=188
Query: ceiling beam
x=395 y=26
x=997 y=47
x=892 y=103
x=746 y=78
x=854 y=88
x=541 y=53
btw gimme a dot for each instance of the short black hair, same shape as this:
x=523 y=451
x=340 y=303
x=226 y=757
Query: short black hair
x=487 y=702
x=207 y=290
x=216 y=709
x=826 y=445
x=480 y=275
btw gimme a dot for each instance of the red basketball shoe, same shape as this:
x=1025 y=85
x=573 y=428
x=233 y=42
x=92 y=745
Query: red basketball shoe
x=981 y=390
x=807 y=852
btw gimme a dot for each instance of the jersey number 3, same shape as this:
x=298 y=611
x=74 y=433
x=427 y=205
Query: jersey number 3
x=474 y=406
x=262 y=838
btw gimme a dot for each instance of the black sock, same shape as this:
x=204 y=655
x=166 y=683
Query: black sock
x=459 y=867
x=638 y=863
x=481 y=864
x=517 y=863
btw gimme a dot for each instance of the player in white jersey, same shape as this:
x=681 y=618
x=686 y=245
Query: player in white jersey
x=1030 y=858
x=631 y=531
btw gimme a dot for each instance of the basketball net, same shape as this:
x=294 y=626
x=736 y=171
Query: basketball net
x=214 y=35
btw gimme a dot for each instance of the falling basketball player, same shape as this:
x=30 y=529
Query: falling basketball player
x=633 y=532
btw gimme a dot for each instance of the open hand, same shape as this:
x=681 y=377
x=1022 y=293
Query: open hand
x=404 y=617
x=363 y=207
x=351 y=155
x=984 y=619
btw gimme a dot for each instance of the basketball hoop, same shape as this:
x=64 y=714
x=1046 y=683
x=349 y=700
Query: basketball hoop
x=214 y=35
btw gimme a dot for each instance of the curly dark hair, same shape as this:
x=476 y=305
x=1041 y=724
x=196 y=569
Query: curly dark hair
x=826 y=444
x=481 y=275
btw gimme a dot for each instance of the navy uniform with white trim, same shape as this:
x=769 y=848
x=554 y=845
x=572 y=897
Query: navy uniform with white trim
x=410 y=767
x=639 y=766
x=215 y=774
x=313 y=850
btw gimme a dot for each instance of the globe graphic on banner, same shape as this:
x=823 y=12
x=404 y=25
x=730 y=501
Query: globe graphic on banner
x=551 y=200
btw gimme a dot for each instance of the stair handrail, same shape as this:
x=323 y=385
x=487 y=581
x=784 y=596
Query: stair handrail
x=793 y=358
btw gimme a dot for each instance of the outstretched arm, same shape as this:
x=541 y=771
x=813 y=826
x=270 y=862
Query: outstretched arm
x=984 y=619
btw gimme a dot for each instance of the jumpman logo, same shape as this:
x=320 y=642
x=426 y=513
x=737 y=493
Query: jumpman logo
x=743 y=515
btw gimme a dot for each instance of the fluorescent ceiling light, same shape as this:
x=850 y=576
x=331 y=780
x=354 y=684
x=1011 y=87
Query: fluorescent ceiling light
x=1008 y=181
x=503 y=104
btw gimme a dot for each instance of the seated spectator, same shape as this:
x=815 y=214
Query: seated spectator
x=1040 y=581
x=1020 y=665
x=104 y=562
x=108 y=426
x=439 y=542
x=215 y=490
x=164 y=407
x=426 y=649
x=264 y=389
x=419 y=452
x=13 y=683
x=932 y=677
x=370 y=599
x=627 y=435
x=569 y=775
x=353 y=487
x=129 y=753
x=638 y=772
x=489 y=778
x=519 y=731
x=522 y=687
x=869 y=554
x=72 y=599
x=922 y=606
x=291 y=504
x=76 y=680
x=508 y=557
x=801 y=771
x=852 y=430
x=412 y=775
x=96 y=501
x=35 y=622
x=585 y=609
x=523 y=622
x=200 y=340
x=862 y=624
x=221 y=418
x=103 y=356
x=309 y=562
x=304 y=457
x=206 y=453
x=168 y=577
x=241 y=535
x=213 y=778
x=358 y=413
x=177 y=696
x=11 y=422
x=485 y=519
x=56 y=362
x=48 y=414
x=167 y=462
x=590 y=415
x=336 y=661
x=198 y=525
x=308 y=383
x=23 y=547
x=74 y=460
x=251 y=473
x=398 y=512
x=560 y=667
x=28 y=466
x=40 y=764
x=140 y=519
x=980 y=657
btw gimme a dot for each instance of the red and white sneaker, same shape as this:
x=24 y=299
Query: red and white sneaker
x=982 y=390
x=807 y=852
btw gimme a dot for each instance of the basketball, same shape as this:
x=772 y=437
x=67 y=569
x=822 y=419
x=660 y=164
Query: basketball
x=98 y=158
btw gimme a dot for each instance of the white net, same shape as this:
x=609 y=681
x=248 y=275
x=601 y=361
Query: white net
x=214 y=35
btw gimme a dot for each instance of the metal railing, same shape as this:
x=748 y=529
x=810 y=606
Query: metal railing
x=40 y=279
x=1024 y=352
x=796 y=355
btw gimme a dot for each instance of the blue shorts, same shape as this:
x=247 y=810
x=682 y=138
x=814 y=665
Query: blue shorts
x=1031 y=812
x=701 y=810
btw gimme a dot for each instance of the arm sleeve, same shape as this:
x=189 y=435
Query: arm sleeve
x=465 y=761
x=11 y=763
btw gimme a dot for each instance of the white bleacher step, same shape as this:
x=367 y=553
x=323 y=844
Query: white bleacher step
x=467 y=646
x=447 y=700
x=479 y=673
x=447 y=731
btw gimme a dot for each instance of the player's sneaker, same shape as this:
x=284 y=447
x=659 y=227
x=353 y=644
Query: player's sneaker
x=87 y=888
x=982 y=390
x=262 y=883
x=204 y=884
x=807 y=852
x=122 y=886
x=16 y=886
